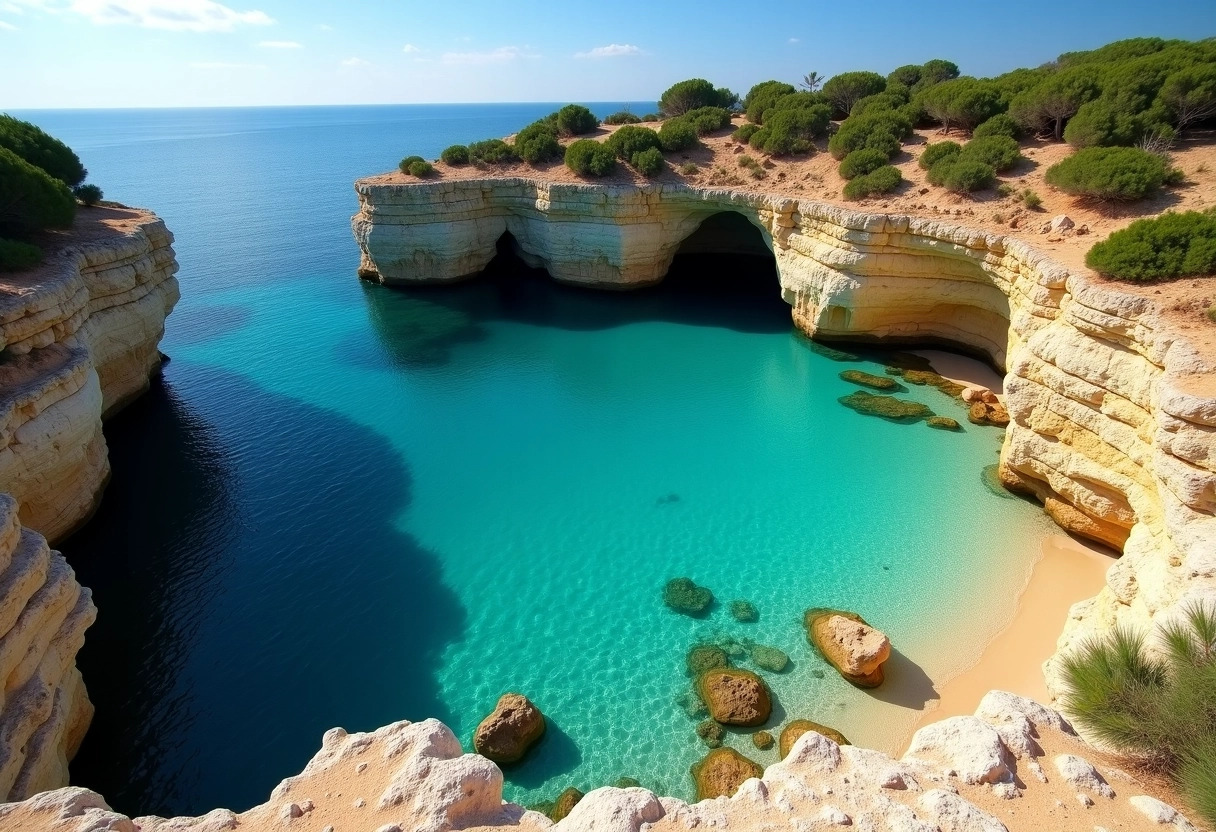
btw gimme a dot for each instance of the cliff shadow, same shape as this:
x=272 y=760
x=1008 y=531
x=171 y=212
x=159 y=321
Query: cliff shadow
x=723 y=275
x=253 y=590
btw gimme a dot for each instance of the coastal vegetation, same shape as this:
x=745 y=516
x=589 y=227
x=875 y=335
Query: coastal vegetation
x=1159 y=708
x=1171 y=245
x=1104 y=174
x=41 y=179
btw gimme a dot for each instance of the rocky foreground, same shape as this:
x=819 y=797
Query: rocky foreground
x=1014 y=766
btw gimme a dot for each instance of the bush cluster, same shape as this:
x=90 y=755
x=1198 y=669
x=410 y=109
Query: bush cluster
x=1001 y=124
x=16 y=255
x=677 y=134
x=1161 y=711
x=90 y=195
x=694 y=94
x=456 y=155
x=648 y=162
x=764 y=96
x=622 y=117
x=41 y=150
x=744 y=132
x=861 y=162
x=878 y=181
x=491 y=152
x=971 y=167
x=416 y=166
x=537 y=143
x=882 y=130
x=573 y=120
x=587 y=157
x=1171 y=245
x=791 y=131
x=1104 y=174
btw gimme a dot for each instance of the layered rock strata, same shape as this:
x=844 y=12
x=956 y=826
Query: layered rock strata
x=1113 y=412
x=1013 y=766
x=44 y=709
x=79 y=338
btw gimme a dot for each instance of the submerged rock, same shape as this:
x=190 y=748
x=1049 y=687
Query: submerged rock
x=990 y=476
x=510 y=730
x=705 y=657
x=932 y=379
x=943 y=423
x=791 y=733
x=627 y=783
x=763 y=740
x=735 y=697
x=869 y=380
x=684 y=596
x=988 y=413
x=888 y=407
x=831 y=352
x=565 y=802
x=849 y=644
x=744 y=611
x=711 y=733
x=769 y=658
x=692 y=704
x=722 y=772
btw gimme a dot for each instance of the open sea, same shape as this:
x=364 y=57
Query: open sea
x=347 y=505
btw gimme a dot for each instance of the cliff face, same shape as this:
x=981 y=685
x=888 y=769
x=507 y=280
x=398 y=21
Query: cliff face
x=44 y=710
x=959 y=775
x=79 y=337
x=1114 y=413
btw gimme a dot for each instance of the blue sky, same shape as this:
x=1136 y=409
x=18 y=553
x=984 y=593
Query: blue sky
x=162 y=53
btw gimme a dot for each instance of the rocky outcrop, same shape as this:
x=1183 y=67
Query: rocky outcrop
x=79 y=337
x=44 y=709
x=513 y=727
x=849 y=644
x=735 y=697
x=1112 y=412
x=962 y=775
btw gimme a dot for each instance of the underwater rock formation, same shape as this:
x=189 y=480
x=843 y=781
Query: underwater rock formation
x=869 y=380
x=888 y=407
x=682 y=595
x=744 y=612
x=722 y=772
x=735 y=697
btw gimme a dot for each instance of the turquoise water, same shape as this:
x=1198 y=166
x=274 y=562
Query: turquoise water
x=347 y=505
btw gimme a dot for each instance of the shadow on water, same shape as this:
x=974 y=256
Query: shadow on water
x=222 y=652
x=555 y=754
x=418 y=326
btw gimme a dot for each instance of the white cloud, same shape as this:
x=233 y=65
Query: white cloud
x=223 y=65
x=280 y=44
x=173 y=15
x=356 y=62
x=409 y=49
x=7 y=26
x=612 y=50
x=502 y=54
x=795 y=40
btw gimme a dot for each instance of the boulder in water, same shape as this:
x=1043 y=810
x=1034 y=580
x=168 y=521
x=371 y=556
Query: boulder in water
x=744 y=611
x=887 y=407
x=510 y=730
x=943 y=423
x=870 y=380
x=763 y=740
x=565 y=802
x=849 y=644
x=769 y=658
x=705 y=657
x=722 y=772
x=684 y=596
x=735 y=697
x=711 y=733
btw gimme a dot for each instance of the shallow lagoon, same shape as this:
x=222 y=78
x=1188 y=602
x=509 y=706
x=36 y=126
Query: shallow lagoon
x=347 y=505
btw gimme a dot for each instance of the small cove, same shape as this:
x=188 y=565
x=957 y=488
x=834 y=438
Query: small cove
x=346 y=505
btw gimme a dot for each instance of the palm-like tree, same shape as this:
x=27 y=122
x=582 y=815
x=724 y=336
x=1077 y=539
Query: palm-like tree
x=811 y=81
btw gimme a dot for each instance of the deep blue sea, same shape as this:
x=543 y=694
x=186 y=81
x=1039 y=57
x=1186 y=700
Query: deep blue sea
x=348 y=505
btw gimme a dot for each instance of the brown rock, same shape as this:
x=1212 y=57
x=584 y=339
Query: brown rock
x=510 y=730
x=735 y=697
x=763 y=740
x=988 y=413
x=566 y=801
x=791 y=733
x=849 y=644
x=722 y=772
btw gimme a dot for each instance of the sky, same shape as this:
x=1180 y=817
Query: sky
x=202 y=53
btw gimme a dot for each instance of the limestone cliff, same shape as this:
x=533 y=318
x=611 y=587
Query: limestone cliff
x=1114 y=412
x=44 y=710
x=79 y=339
x=1015 y=765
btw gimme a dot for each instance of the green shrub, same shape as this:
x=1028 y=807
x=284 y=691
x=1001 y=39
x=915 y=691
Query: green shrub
x=960 y=176
x=882 y=130
x=1212 y=313
x=1001 y=124
x=847 y=88
x=1158 y=710
x=537 y=143
x=652 y=117
x=889 y=100
x=1109 y=173
x=420 y=169
x=744 y=133
x=796 y=101
x=631 y=139
x=689 y=168
x=622 y=117
x=1001 y=152
x=934 y=153
x=1171 y=245
x=90 y=195
x=764 y=96
x=792 y=131
x=31 y=199
x=961 y=102
x=587 y=157
x=648 y=162
x=17 y=256
x=1031 y=200
x=1190 y=94
x=41 y=150
x=575 y=120
x=407 y=161
x=456 y=155
x=861 y=162
x=492 y=152
x=677 y=134
x=693 y=94
x=1004 y=189
x=706 y=120
x=760 y=138
x=879 y=181
x=1102 y=123
x=1046 y=106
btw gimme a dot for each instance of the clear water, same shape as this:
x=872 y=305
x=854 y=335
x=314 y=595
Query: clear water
x=347 y=505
